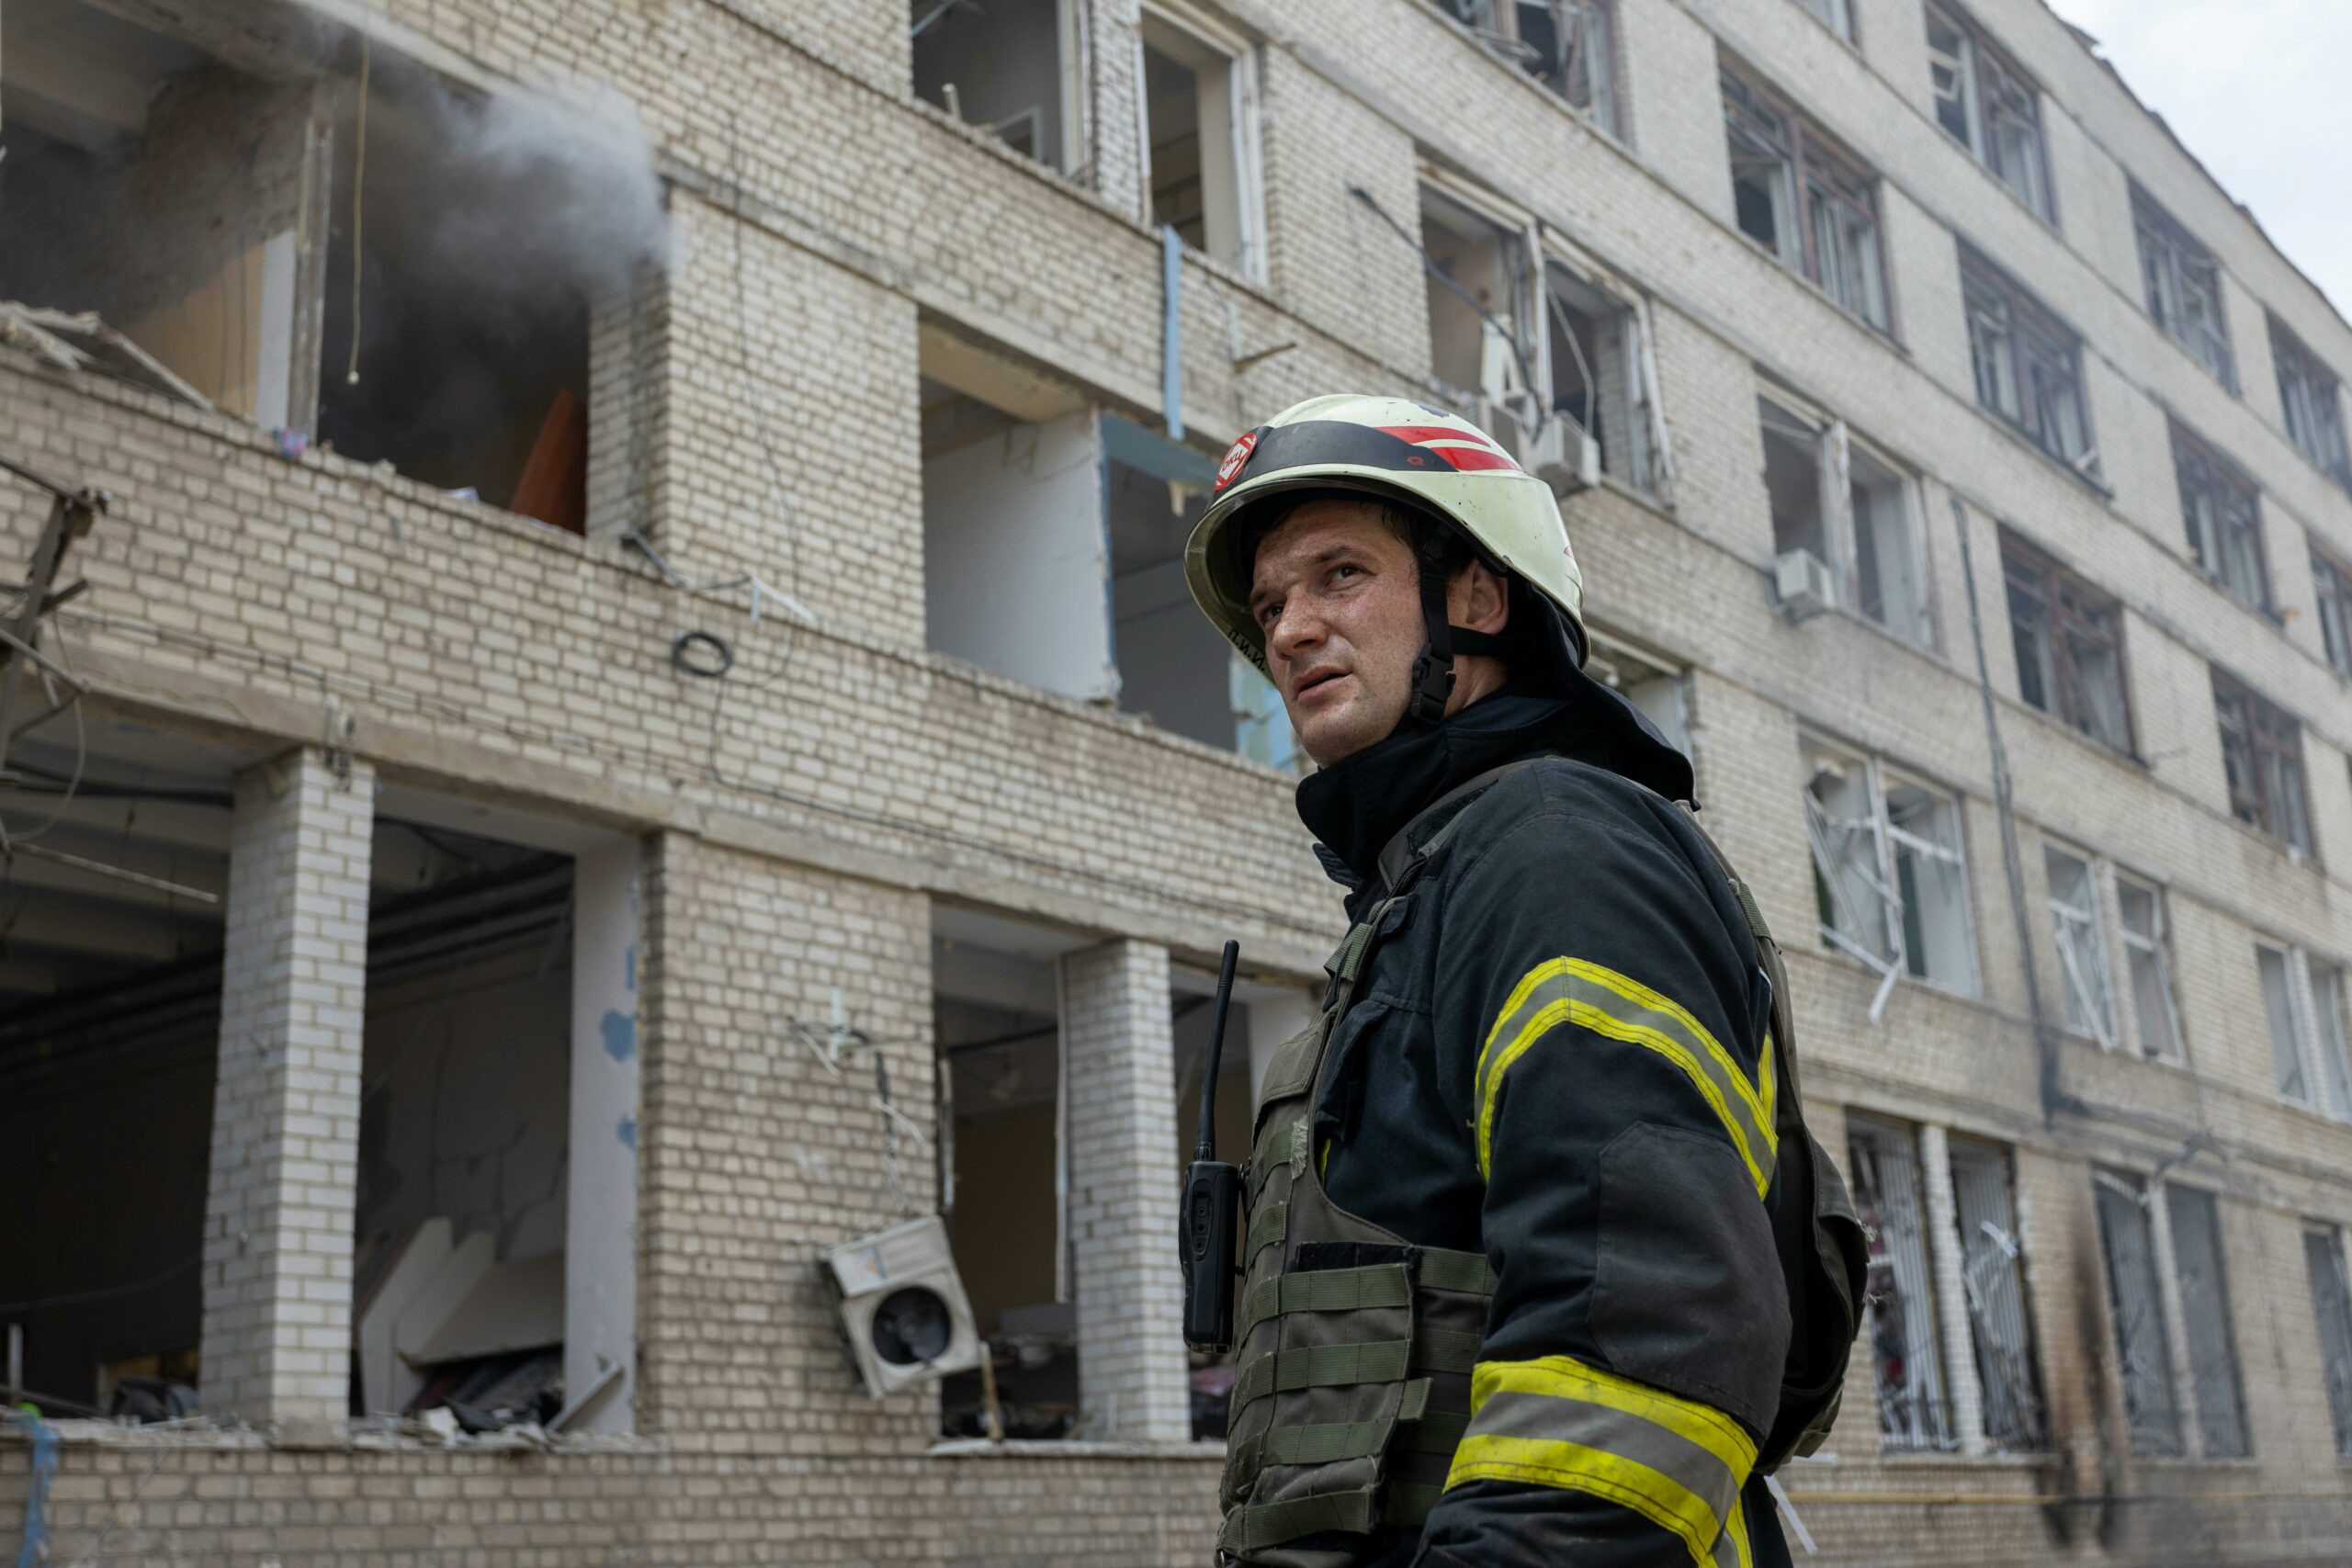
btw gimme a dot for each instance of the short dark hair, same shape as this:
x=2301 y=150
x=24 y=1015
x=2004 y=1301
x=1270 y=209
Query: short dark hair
x=1409 y=525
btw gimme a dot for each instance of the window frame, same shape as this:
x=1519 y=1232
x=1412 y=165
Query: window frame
x=1984 y=73
x=2079 y=934
x=2271 y=738
x=2071 y=610
x=1641 y=455
x=1838 y=455
x=1815 y=176
x=2233 y=511
x=2154 y=946
x=2032 y=338
x=2311 y=404
x=2331 y=586
x=2003 y=1292
x=1837 y=16
x=1209 y=51
x=1496 y=25
x=1883 y=875
x=2169 y=257
x=1873 y=1143
x=2324 y=1246
x=2169 y=1440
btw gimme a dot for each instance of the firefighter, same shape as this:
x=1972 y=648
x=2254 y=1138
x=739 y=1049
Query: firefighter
x=1539 y=1265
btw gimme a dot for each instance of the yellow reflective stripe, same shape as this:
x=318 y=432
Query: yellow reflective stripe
x=1558 y=1423
x=1592 y=997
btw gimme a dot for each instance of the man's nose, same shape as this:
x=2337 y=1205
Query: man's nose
x=1297 y=630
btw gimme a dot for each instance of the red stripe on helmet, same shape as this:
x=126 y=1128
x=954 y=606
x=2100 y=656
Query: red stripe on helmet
x=1420 y=434
x=1466 y=459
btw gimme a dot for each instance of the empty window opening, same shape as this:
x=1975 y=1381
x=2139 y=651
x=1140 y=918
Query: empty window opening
x=2205 y=1320
x=1993 y=1279
x=1480 y=295
x=1844 y=530
x=1913 y=1408
x=2182 y=285
x=1596 y=361
x=2262 y=762
x=2331 y=1309
x=167 y=194
x=1000 y=65
x=110 y=1037
x=1199 y=115
x=2284 y=1021
x=2223 y=509
x=2081 y=934
x=2028 y=364
x=2332 y=582
x=1657 y=690
x=1889 y=884
x=1564 y=44
x=995 y=1012
x=2127 y=1244
x=2311 y=400
x=2147 y=950
x=1989 y=107
x=1800 y=197
x=2068 y=637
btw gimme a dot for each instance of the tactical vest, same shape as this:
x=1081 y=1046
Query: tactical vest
x=1354 y=1347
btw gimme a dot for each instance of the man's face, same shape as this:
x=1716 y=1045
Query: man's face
x=1338 y=599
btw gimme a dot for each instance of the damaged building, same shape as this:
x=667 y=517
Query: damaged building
x=616 y=824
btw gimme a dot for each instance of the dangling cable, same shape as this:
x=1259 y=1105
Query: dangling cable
x=358 y=183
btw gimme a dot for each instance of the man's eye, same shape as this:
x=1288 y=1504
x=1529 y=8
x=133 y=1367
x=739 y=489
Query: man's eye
x=1269 y=613
x=1343 y=571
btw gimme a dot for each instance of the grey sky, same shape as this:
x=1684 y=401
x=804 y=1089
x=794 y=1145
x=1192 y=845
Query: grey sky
x=2257 y=90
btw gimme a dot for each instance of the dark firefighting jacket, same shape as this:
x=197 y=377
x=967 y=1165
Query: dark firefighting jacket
x=1556 y=1057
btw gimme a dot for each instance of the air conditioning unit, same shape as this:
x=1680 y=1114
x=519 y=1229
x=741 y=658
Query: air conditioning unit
x=902 y=1307
x=1564 y=456
x=1803 y=584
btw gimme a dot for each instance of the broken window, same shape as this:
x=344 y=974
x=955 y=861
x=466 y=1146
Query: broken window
x=1598 y=364
x=1800 y=197
x=2284 y=1018
x=2028 y=364
x=1200 y=121
x=2223 y=510
x=2310 y=398
x=1053 y=543
x=2332 y=1308
x=2328 y=1043
x=1843 y=527
x=1001 y=65
x=1649 y=683
x=2182 y=285
x=2127 y=1242
x=2205 y=1320
x=2147 y=950
x=1989 y=107
x=1913 y=1411
x=1564 y=44
x=1993 y=1277
x=2082 y=944
x=2069 y=641
x=1889 y=883
x=2332 y=580
x=2262 y=759
x=1481 y=295
x=997 y=1021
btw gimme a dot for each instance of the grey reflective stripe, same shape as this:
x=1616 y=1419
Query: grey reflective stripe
x=1266 y=1224
x=1441 y=1269
x=1324 y=1289
x=1621 y=1435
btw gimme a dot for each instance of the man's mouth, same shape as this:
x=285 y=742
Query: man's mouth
x=1314 y=680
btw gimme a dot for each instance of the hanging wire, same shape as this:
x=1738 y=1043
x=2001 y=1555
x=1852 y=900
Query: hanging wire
x=358 y=183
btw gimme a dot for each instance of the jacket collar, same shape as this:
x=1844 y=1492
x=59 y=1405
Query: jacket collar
x=1356 y=805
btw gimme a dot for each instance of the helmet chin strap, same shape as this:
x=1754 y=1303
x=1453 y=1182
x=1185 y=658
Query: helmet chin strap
x=1433 y=671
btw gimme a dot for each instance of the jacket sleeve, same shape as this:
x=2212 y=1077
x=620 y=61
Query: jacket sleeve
x=1608 y=1011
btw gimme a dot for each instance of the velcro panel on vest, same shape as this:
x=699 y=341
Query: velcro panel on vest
x=1322 y=1325
x=1326 y=1290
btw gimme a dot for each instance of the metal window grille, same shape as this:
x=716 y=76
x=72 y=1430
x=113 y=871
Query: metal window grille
x=2147 y=950
x=2082 y=945
x=2205 y=1320
x=1992 y=1275
x=2127 y=1244
x=1913 y=1412
x=2332 y=1306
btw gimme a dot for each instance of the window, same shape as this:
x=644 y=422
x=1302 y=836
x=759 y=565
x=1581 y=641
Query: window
x=2147 y=952
x=1482 y=286
x=2279 y=1013
x=1861 y=534
x=2332 y=1306
x=1889 y=883
x=2028 y=364
x=1989 y=107
x=1808 y=203
x=2082 y=944
x=2128 y=1245
x=1006 y=68
x=2205 y=1320
x=1564 y=44
x=1837 y=16
x=2309 y=400
x=2223 y=513
x=2262 y=756
x=2328 y=1042
x=1913 y=1410
x=2333 y=585
x=1649 y=681
x=2069 y=642
x=2182 y=284
x=1200 y=115
x=1597 y=359
x=2000 y=1330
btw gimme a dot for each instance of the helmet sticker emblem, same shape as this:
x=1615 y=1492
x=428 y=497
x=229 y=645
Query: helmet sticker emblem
x=1236 y=458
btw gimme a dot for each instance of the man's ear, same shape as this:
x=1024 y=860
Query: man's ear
x=1479 y=599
